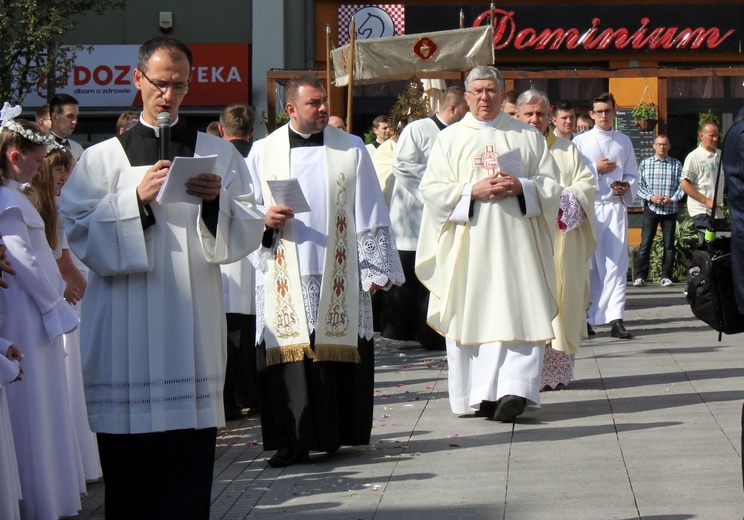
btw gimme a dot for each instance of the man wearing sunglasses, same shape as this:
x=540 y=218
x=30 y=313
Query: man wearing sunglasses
x=153 y=326
x=610 y=156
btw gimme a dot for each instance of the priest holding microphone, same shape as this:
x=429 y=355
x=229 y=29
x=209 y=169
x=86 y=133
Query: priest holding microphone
x=153 y=327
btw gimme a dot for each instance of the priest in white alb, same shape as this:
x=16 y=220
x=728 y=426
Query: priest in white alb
x=574 y=243
x=485 y=252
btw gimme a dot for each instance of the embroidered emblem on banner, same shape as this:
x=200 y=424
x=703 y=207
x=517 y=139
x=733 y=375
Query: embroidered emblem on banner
x=425 y=48
x=488 y=160
x=287 y=324
x=337 y=319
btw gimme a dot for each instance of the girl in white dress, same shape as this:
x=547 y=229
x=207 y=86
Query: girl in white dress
x=47 y=184
x=35 y=315
x=10 y=372
x=10 y=484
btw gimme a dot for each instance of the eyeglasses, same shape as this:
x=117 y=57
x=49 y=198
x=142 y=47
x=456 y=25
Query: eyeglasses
x=662 y=144
x=491 y=92
x=604 y=112
x=163 y=86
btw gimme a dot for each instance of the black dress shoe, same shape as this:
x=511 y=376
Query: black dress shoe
x=509 y=407
x=589 y=330
x=487 y=409
x=288 y=457
x=618 y=330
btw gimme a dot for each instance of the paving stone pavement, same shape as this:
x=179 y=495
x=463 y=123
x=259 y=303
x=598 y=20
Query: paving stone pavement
x=651 y=429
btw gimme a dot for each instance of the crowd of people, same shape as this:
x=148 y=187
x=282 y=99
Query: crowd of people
x=130 y=329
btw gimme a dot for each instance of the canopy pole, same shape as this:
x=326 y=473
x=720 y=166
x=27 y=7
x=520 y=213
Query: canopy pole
x=328 y=66
x=350 y=86
x=462 y=26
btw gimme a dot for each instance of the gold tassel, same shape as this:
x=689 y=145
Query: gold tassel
x=342 y=353
x=288 y=354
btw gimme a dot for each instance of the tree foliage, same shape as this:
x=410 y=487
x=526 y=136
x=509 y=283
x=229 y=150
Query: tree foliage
x=30 y=32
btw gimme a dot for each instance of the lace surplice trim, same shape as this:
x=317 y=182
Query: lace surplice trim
x=379 y=261
x=557 y=368
x=570 y=213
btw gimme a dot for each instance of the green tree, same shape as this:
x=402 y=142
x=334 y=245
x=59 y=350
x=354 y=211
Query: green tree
x=30 y=32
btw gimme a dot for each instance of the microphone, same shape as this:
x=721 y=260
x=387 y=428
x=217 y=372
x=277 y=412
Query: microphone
x=164 y=122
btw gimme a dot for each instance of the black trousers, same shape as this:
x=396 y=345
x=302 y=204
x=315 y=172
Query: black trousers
x=154 y=476
x=405 y=307
x=241 y=379
x=651 y=221
x=317 y=405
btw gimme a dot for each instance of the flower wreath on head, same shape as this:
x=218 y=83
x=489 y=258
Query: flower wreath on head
x=54 y=145
x=7 y=115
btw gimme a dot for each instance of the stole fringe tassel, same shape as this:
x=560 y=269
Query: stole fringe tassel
x=293 y=353
x=288 y=354
x=341 y=353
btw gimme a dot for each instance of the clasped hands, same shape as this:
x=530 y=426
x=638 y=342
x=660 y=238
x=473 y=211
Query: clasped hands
x=658 y=199
x=206 y=186
x=496 y=186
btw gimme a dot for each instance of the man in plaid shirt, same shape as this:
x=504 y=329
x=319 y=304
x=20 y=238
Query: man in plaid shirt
x=660 y=188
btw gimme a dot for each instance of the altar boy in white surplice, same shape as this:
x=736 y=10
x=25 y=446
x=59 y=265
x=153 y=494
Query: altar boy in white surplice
x=485 y=253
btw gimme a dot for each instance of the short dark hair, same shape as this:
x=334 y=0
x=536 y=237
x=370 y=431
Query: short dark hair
x=153 y=45
x=60 y=100
x=237 y=119
x=379 y=120
x=604 y=97
x=453 y=96
x=511 y=96
x=563 y=105
x=43 y=112
x=294 y=84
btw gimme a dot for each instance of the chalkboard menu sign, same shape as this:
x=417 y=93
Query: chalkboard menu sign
x=643 y=142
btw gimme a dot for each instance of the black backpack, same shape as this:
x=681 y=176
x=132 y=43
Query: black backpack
x=710 y=284
x=710 y=290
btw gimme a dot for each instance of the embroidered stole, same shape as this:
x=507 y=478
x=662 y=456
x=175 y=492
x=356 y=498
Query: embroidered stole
x=337 y=332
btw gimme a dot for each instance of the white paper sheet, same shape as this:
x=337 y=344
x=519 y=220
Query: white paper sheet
x=511 y=162
x=289 y=193
x=182 y=169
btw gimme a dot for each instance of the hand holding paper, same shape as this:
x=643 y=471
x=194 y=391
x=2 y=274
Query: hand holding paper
x=511 y=162
x=182 y=170
x=289 y=193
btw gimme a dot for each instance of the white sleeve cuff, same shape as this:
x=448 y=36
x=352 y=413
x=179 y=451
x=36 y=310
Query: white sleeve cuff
x=461 y=213
x=531 y=198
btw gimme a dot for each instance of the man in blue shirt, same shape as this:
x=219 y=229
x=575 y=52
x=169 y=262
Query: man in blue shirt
x=660 y=188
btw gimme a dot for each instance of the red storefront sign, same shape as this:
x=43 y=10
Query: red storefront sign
x=647 y=36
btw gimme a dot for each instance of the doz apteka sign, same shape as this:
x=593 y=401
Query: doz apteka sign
x=103 y=77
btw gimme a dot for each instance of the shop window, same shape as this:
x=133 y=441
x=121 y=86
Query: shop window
x=736 y=87
x=581 y=89
x=689 y=88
